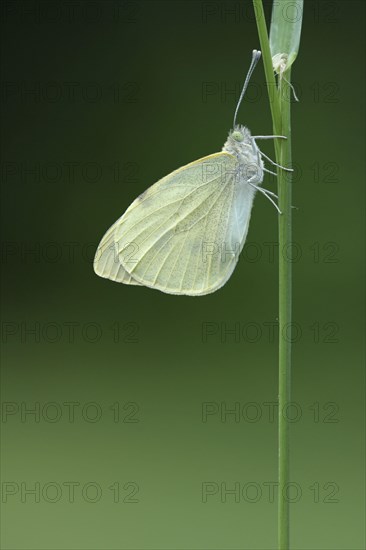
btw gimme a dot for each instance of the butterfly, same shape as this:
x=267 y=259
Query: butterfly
x=184 y=234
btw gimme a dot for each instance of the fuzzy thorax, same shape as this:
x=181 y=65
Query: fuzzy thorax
x=241 y=145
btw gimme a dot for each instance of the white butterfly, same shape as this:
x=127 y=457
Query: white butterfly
x=184 y=234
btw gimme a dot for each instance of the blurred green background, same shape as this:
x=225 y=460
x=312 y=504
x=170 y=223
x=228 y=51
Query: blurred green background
x=131 y=444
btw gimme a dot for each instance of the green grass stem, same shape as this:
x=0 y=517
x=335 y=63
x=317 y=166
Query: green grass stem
x=286 y=34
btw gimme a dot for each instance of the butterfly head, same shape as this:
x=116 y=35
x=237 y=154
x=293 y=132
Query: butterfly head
x=241 y=145
x=240 y=135
x=239 y=141
x=237 y=135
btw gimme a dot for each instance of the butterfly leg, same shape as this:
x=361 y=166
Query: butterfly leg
x=275 y=163
x=266 y=193
x=253 y=178
x=268 y=137
x=270 y=193
x=270 y=172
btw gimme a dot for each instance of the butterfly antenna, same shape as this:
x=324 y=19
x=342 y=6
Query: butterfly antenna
x=255 y=58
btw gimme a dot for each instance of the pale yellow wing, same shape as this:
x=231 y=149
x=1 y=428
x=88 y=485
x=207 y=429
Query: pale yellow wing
x=187 y=230
x=106 y=261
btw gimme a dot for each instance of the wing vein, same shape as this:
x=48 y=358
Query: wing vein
x=219 y=226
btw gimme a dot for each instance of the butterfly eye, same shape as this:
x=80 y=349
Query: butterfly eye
x=238 y=136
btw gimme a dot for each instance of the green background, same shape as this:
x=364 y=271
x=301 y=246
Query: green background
x=149 y=352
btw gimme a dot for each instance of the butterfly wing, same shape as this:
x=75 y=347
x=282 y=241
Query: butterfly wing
x=187 y=230
x=106 y=261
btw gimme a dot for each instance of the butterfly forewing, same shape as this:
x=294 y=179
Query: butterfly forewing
x=185 y=233
x=106 y=261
